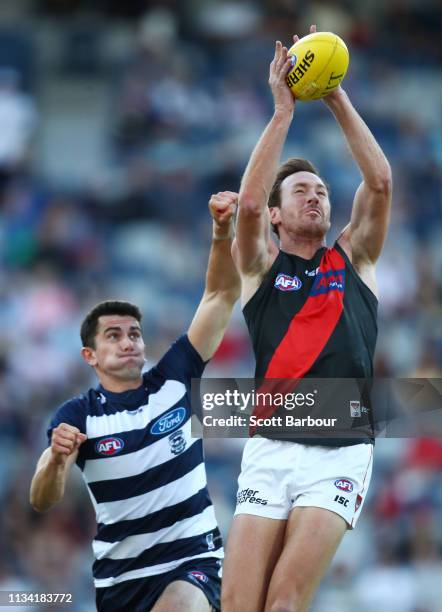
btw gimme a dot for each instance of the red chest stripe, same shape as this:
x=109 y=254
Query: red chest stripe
x=310 y=329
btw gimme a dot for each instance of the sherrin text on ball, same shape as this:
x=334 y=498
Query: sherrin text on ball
x=320 y=62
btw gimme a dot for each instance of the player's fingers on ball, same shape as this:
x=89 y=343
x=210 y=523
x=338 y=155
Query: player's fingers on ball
x=287 y=65
x=278 y=47
x=295 y=38
x=313 y=28
x=281 y=58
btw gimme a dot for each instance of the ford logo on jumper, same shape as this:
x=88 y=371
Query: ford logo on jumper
x=169 y=421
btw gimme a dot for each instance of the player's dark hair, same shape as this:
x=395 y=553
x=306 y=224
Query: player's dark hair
x=89 y=326
x=291 y=166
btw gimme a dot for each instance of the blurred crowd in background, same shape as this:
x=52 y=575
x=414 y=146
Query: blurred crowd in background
x=117 y=122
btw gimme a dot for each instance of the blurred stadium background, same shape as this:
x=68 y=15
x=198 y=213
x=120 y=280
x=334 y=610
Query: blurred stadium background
x=117 y=122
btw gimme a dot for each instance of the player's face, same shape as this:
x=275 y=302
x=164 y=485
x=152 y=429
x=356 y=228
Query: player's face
x=305 y=206
x=119 y=348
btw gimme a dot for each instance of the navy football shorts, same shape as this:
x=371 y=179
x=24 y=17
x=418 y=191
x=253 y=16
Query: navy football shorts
x=141 y=594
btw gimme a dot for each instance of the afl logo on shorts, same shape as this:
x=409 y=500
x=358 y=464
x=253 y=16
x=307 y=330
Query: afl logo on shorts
x=284 y=282
x=196 y=575
x=344 y=485
x=109 y=446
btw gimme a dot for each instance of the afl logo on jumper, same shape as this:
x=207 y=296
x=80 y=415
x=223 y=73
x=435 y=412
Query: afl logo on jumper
x=109 y=446
x=284 y=282
x=171 y=420
x=344 y=485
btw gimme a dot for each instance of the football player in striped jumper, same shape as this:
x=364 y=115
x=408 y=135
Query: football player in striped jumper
x=158 y=546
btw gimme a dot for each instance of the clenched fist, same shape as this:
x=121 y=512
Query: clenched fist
x=222 y=206
x=66 y=439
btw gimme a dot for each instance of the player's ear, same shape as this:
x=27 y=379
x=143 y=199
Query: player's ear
x=89 y=356
x=275 y=213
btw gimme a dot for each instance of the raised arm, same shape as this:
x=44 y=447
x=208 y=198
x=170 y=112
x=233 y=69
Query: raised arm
x=365 y=235
x=253 y=240
x=49 y=481
x=222 y=280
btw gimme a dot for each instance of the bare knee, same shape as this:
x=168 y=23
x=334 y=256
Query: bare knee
x=281 y=605
x=293 y=602
x=234 y=599
x=229 y=599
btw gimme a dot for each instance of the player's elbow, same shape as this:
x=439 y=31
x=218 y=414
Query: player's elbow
x=41 y=506
x=231 y=295
x=225 y=297
x=382 y=182
x=249 y=205
x=39 y=509
x=39 y=501
x=38 y=505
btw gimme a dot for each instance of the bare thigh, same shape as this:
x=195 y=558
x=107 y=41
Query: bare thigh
x=311 y=539
x=253 y=548
x=181 y=596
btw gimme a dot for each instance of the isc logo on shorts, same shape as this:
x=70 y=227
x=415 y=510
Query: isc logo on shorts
x=341 y=500
x=250 y=496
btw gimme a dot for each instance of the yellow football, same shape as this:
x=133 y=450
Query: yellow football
x=319 y=61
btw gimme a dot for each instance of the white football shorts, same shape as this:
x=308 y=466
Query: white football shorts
x=278 y=476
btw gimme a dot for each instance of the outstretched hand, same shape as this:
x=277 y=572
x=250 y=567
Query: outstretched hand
x=279 y=68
